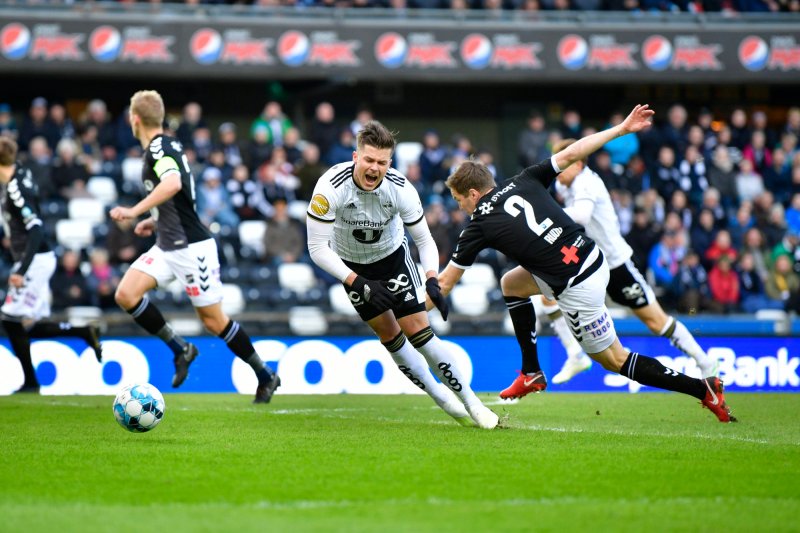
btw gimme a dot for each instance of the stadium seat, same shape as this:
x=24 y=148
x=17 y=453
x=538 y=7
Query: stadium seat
x=405 y=153
x=233 y=301
x=251 y=234
x=469 y=300
x=132 y=171
x=89 y=209
x=776 y=315
x=340 y=303
x=307 y=320
x=481 y=275
x=74 y=234
x=83 y=315
x=102 y=188
x=186 y=326
x=296 y=277
x=297 y=210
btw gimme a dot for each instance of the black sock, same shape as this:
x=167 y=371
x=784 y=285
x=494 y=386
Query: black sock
x=147 y=315
x=47 y=329
x=648 y=371
x=21 y=344
x=524 y=319
x=239 y=343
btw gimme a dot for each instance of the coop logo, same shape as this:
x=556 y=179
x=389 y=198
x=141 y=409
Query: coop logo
x=601 y=52
x=234 y=47
x=15 y=40
x=420 y=50
x=782 y=53
x=135 y=44
x=323 y=49
x=503 y=51
x=688 y=54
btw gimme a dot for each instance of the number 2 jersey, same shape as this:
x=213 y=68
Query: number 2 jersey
x=177 y=223
x=520 y=219
x=20 y=207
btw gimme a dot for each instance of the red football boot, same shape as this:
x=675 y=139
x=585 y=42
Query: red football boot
x=524 y=385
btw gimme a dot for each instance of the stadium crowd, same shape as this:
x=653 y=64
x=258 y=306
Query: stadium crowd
x=709 y=203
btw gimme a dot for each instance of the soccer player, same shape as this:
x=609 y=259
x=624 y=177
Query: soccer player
x=524 y=222
x=360 y=207
x=184 y=250
x=34 y=264
x=588 y=203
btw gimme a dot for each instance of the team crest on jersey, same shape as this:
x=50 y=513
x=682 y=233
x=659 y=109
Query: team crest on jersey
x=320 y=205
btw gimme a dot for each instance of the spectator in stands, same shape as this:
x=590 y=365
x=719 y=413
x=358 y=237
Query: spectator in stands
x=414 y=177
x=795 y=187
x=342 y=150
x=61 y=122
x=70 y=172
x=675 y=132
x=285 y=175
x=760 y=123
x=667 y=176
x=752 y=291
x=571 y=125
x=109 y=165
x=748 y=183
x=276 y=122
x=216 y=158
x=292 y=146
x=532 y=143
x=102 y=280
x=308 y=171
x=432 y=160
x=740 y=223
x=8 y=126
x=679 y=204
x=88 y=145
x=789 y=145
x=712 y=202
x=778 y=176
x=636 y=177
x=68 y=284
x=40 y=163
x=783 y=284
x=123 y=245
x=284 y=239
x=642 y=238
x=653 y=205
x=787 y=246
x=259 y=150
x=324 y=130
x=267 y=190
x=240 y=189
x=363 y=116
x=755 y=246
x=697 y=138
x=703 y=233
x=201 y=142
x=723 y=282
x=774 y=228
x=721 y=247
x=793 y=215
x=693 y=175
x=213 y=202
x=689 y=287
x=666 y=256
x=229 y=145
x=601 y=165
x=191 y=119
x=793 y=121
x=756 y=151
x=722 y=177
x=37 y=124
x=97 y=116
x=622 y=148
x=740 y=133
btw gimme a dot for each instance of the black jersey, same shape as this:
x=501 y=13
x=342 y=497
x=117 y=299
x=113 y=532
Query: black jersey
x=177 y=223
x=20 y=204
x=521 y=220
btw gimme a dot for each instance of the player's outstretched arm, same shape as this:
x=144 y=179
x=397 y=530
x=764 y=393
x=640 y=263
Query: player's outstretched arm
x=169 y=187
x=639 y=119
x=449 y=277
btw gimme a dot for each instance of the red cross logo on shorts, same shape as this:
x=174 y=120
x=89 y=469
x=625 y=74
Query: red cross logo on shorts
x=570 y=254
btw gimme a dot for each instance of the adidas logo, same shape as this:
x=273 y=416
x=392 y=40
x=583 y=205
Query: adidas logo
x=408 y=297
x=351 y=205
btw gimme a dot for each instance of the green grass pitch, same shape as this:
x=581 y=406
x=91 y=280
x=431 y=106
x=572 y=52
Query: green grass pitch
x=567 y=462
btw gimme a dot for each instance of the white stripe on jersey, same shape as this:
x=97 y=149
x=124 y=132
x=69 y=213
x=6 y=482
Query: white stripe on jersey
x=603 y=227
x=367 y=225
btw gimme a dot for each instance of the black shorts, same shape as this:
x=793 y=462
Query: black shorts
x=628 y=288
x=400 y=271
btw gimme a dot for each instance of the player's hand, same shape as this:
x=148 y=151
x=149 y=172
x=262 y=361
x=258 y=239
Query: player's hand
x=121 y=213
x=374 y=292
x=145 y=228
x=436 y=296
x=640 y=119
x=16 y=280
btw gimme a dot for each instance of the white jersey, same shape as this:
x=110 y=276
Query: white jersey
x=367 y=225
x=603 y=227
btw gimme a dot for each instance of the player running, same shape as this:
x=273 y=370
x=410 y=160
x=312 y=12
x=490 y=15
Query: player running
x=184 y=250
x=522 y=220
x=34 y=264
x=360 y=207
x=588 y=203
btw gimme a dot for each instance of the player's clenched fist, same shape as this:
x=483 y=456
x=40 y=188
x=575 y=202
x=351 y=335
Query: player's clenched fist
x=436 y=296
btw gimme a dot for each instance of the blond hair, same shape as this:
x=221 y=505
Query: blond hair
x=8 y=151
x=149 y=107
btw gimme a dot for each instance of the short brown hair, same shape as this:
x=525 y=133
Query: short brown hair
x=563 y=143
x=377 y=135
x=471 y=174
x=8 y=151
x=149 y=107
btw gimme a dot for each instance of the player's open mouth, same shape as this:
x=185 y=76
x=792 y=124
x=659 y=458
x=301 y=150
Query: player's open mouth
x=370 y=180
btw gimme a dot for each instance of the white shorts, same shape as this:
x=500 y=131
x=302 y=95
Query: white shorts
x=195 y=267
x=584 y=306
x=32 y=300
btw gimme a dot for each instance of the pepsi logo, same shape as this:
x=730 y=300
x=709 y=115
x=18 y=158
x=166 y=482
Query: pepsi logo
x=657 y=52
x=206 y=46
x=753 y=53
x=293 y=48
x=476 y=51
x=105 y=44
x=572 y=51
x=391 y=50
x=15 y=40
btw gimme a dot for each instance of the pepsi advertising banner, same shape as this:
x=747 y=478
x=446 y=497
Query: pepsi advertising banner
x=356 y=365
x=399 y=49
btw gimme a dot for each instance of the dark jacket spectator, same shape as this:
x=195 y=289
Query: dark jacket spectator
x=324 y=130
x=68 y=284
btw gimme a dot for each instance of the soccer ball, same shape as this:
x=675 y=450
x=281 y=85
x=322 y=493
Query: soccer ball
x=139 y=408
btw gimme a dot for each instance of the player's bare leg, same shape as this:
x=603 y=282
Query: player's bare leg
x=667 y=326
x=518 y=286
x=412 y=364
x=131 y=296
x=217 y=322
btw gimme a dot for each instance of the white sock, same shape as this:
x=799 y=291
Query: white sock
x=571 y=345
x=443 y=364
x=412 y=364
x=684 y=341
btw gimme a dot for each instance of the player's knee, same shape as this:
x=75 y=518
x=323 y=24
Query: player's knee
x=125 y=298
x=214 y=324
x=510 y=285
